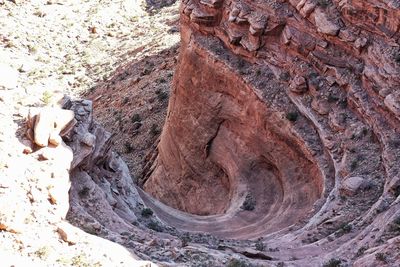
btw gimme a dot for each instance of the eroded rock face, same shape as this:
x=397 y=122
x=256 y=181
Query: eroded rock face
x=281 y=102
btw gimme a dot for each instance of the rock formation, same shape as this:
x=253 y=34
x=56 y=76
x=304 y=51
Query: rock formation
x=283 y=124
x=281 y=147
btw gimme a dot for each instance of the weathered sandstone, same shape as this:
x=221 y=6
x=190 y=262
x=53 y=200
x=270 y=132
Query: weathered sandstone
x=294 y=106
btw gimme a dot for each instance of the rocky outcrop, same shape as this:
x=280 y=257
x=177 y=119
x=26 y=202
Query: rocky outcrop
x=283 y=125
x=35 y=180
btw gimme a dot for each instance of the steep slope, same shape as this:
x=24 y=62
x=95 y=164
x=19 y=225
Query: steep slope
x=285 y=113
x=280 y=147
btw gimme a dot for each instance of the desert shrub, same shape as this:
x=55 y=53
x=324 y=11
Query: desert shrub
x=324 y=3
x=260 y=245
x=136 y=117
x=353 y=165
x=396 y=191
x=284 y=76
x=161 y=80
x=236 y=263
x=395 y=225
x=333 y=263
x=46 y=97
x=361 y=251
x=249 y=203
x=154 y=129
x=346 y=228
x=381 y=257
x=185 y=239
x=84 y=192
x=128 y=147
x=125 y=100
x=43 y=252
x=292 y=116
x=146 y=212
x=396 y=57
x=332 y=98
x=162 y=96
x=153 y=225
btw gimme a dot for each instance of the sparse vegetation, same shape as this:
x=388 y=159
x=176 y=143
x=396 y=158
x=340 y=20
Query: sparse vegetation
x=292 y=116
x=128 y=147
x=333 y=263
x=154 y=225
x=284 y=76
x=154 y=130
x=332 y=98
x=241 y=64
x=395 y=225
x=185 y=239
x=125 y=100
x=161 y=80
x=46 y=97
x=162 y=96
x=249 y=203
x=237 y=263
x=43 y=252
x=84 y=192
x=361 y=251
x=396 y=57
x=82 y=260
x=147 y=212
x=136 y=118
x=343 y=103
x=381 y=257
x=394 y=144
x=260 y=245
x=346 y=228
x=324 y=3
x=354 y=165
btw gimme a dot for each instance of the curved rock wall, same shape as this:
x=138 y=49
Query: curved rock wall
x=285 y=113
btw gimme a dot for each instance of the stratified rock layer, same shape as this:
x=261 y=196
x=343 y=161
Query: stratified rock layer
x=283 y=123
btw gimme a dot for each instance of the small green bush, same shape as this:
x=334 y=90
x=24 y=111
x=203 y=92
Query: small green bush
x=128 y=147
x=361 y=251
x=395 y=225
x=354 y=165
x=381 y=257
x=147 y=212
x=333 y=263
x=136 y=117
x=346 y=228
x=154 y=130
x=260 y=245
x=84 y=192
x=292 y=116
x=324 y=3
x=46 y=97
x=153 y=225
x=236 y=263
x=162 y=96
x=249 y=203
x=185 y=239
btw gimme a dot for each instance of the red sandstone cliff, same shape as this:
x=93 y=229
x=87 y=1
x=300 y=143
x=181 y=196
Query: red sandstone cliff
x=286 y=113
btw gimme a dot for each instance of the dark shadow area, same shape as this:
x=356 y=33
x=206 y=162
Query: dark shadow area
x=155 y=5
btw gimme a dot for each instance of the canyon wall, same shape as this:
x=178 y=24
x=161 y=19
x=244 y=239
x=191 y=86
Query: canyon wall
x=285 y=113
